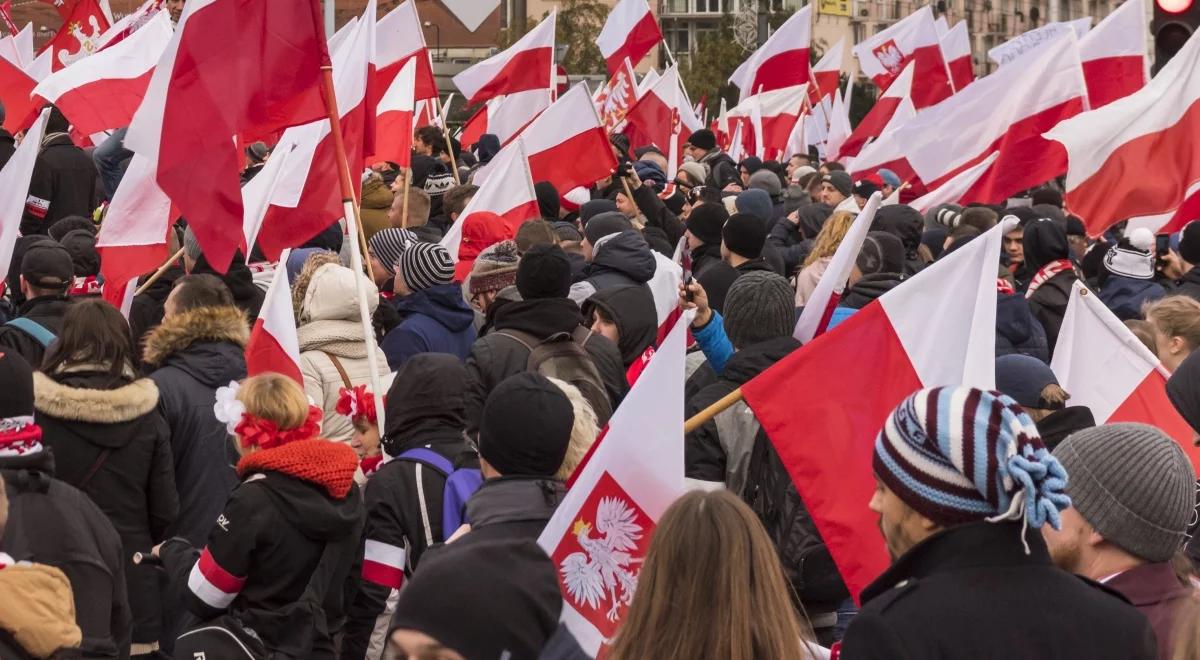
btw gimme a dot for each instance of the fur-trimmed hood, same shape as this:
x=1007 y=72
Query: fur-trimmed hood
x=213 y=324
x=98 y=406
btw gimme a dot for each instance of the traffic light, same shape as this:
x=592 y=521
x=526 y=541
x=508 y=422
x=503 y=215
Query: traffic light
x=1174 y=22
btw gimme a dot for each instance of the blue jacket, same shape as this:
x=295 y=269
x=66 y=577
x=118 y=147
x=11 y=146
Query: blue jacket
x=436 y=320
x=1018 y=330
x=1126 y=295
x=714 y=343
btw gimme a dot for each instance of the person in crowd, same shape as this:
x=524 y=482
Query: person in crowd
x=584 y=431
x=64 y=180
x=709 y=547
x=480 y=231
x=1144 y=331
x=691 y=174
x=81 y=245
x=437 y=182
x=866 y=186
x=404 y=498
x=1077 y=238
x=661 y=225
x=544 y=314
x=836 y=187
x=1031 y=383
x=1018 y=331
x=1128 y=282
x=817 y=261
x=743 y=238
x=51 y=522
x=1175 y=323
x=1181 y=262
x=704 y=238
x=959 y=526
x=747 y=168
x=878 y=268
x=295 y=521
x=333 y=349
x=69 y=224
x=903 y=222
x=199 y=347
x=626 y=316
x=792 y=238
x=257 y=154
x=147 y=308
x=8 y=144
x=238 y=277
x=1014 y=245
x=111 y=441
x=384 y=250
x=418 y=209
x=1047 y=255
x=890 y=181
x=436 y=319
x=549 y=204
x=37 y=617
x=617 y=255
x=376 y=203
x=720 y=170
x=46 y=272
x=1132 y=491
x=770 y=184
x=494 y=270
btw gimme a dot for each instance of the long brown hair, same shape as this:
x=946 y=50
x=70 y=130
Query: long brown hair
x=711 y=587
x=94 y=333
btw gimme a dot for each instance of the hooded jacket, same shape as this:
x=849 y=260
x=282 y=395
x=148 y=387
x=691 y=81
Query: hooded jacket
x=376 y=202
x=1017 y=330
x=906 y=223
x=64 y=182
x=1044 y=242
x=713 y=273
x=88 y=420
x=617 y=260
x=722 y=171
x=46 y=311
x=37 y=613
x=193 y=354
x=1125 y=296
x=436 y=320
x=632 y=309
x=330 y=329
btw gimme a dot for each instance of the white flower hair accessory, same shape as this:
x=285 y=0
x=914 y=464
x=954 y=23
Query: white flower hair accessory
x=227 y=409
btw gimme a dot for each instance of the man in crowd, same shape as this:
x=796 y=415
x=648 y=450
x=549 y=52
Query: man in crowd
x=46 y=273
x=702 y=148
x=836 y=187
x=64 y=179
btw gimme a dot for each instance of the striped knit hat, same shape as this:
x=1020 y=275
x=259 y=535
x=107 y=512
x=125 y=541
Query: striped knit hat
x=426 y=264
x=959 y=454
x=388 y=244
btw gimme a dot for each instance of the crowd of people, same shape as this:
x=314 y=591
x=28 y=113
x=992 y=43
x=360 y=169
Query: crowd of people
x=160 y=502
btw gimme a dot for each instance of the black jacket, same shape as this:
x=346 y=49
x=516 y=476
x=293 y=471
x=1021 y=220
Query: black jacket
x=1189 y=284
x=193 y=354
x=47 y=311
x=713 y=274
x=617 y=260
x=513 y=507
x=658 y=215
x=869 y=288
x=495 y=357
x=64 y=183
x=1049 y=304
x=632 y=309
x=83 y=415
x=8 y=146
x=1055 y=427
x=1017 y=330
x=246 y=295
x=50 y=522
x=722 y=171
x=147 y=308
x=971 y=591
x=789 y=244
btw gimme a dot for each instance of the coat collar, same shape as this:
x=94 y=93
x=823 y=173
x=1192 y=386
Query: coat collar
x=514 y=499
x=1150 y=584
x=80 y=404
x=175 y=334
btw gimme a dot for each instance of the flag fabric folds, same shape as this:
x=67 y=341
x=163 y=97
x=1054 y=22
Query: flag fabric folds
x=782 y=61
x=630 y=32
x=913 y=39
x=525 y=65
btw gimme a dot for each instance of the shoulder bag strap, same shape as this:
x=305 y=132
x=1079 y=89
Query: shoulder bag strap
x=34 y=329
x=523 y=338
x=96 y=465
x=337 y=364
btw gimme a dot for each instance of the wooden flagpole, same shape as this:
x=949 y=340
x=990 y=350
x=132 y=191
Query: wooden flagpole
x=449 y=146
x=159 y=273
x=404 y=190
x=722 y=404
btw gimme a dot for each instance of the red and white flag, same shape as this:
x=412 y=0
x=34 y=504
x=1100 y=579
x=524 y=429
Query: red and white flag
x=816 y=393
x=505 y=116
x=797 y=142
x=105 y=90
x=878 y=118
x=566 y=145
x=134 y=21
x=887 y=152
x=1104 y=366
x=266 y=59
x=525 y=65
x=780 y=62
x=273 y=345
x=1114 y=55
x=400 y=38
x=79 y=35
x=609 y=514
x=14 y=184
x=630 y=32
x=662 y=114
x=617 y=97
x=913 y=39
x=770 y=118
x=16 y=91
x=133 y=237
x=18 y=48
x=1155 y=124
x=508 y=193
x=954 y=190
x=1019 y=104
x=394 y=118
x=956 y=49
x=827 y=73
x=839 y=120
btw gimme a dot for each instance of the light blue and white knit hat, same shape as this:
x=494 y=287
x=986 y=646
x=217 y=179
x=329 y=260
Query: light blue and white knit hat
x=960 y=454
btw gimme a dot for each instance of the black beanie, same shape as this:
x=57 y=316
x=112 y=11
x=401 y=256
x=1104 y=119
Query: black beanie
x=81 y=244
x=547 y=199
x=69 y=224
x=606 y=224
x=744 y=234
x=544 y=272
x=881 y=253
x=17 y=377
x=1047 y=195
x=595 y=207
x=702 y=139
x=1189 y=243
x=705 y=222
x=526 y=426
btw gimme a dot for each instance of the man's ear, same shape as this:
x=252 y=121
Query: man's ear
x=1177 y=345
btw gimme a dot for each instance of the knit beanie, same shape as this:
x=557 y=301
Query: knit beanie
x=756 y=202
x=959 y=454
x=888 y=177
x=424 y=265
x=841 y=181
x=595 y=207
x=760 y=305
x=695 y=172
x=1023 y=377
x=81 y=244
x=526 y=426
x=1189 y=243
x=751 y=164
x=547 y=199
x=744 y=234
x=495 y=268
x=705 y=222
x=19 y=435
x=544 y=272
x=1132 y=257
x=881 y=252
x=70 y=224
x=702 y=139
x=606 y=224
x=768 y=182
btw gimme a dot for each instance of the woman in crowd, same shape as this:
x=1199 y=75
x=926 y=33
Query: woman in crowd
x=826 y=243
x=1175 y=321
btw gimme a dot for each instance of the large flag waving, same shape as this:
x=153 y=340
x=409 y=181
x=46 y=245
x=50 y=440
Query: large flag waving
x=780 y=62
x=876 y=120
x=813 y=394
x=394 y=118
x=630 y=32
x=524 y=65
x=273 y=345
x=400 y=39
x=956 y=49
x=1114 y=55
x=776 y=114
x=827 y=72
x=508 y=193
x=913 y=39
x=505 y=116
x=16 y=91
x=662 y=113
x=133 y=237
x=567 y=145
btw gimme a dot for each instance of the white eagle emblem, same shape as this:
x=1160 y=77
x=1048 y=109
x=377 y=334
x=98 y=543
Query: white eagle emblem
x=890 y=56
x=87 y=42
x=605 y=572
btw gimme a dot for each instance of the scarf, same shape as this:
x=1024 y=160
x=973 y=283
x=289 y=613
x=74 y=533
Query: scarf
x=19 y=436
x=321 y=462
x=1045 y=273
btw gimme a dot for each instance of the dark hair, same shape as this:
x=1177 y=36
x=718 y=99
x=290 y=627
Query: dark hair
x=202 y=290
x=833 y=166
x=431 y=135
x=456 y=199
x=704 y=195
x=93 y=332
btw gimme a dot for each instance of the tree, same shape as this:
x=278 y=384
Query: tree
x=578 y=24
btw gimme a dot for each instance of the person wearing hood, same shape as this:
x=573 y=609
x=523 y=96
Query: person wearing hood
x=627 y=317
x=1018 y=331
x=111 y=442
x=46 y=272
x=757 y=203
x=1031 y=383
x=1048 y=256
x=81 y=244
x=64 y=180
x=616 y=254
x=1185 y=260
x=487 y=147
x=436 y=319
x=720 y=170
x=377 y=200
x=1129 y=284
x=238 y=278
x=906 y=223
x=749 y=166
x=295 y=519
x=404 y=498
x=792 y=237
x=8 y=144
x=480 y=231
x=878 y=268
x=38 y=612
x=704 y=236
x=549 y=204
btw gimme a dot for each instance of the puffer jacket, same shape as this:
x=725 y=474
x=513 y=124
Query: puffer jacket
x=37 y=613
x=89 y=422
x=436 y=320
x=1017 y=329
x=376 y=202
x=330 y=329
x=617 y=260
x=1126 y=295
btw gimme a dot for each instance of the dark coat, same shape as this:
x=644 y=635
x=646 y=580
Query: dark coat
x=617 y=260
x=436 y=320
x=1055 y=427
x=789 y=244
x=1017 y=330
x=64 y=182
x=512 y=508
x=722 y=171
x=193 y=354
x=971 y=591
x=1049 y=303
x=1157 y=593
x=658 y=215
x=631 y=308
x=1189 y=284
x=246 y=294
x=869 y=288
x=713 y=274
x=84 y=414
x=8 y=146
x=46 y=311
x=50 y=522
x=147 y=308
x=1126 y=295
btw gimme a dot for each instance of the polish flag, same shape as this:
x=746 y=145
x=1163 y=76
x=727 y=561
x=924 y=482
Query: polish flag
x=133 y=237
x=630 y=31
x=619 y=495
x=954 y=190
x=78 y=37
x=772 y=115
x=400 y=38
x=103 y=91
x=942 y=25
x=1105 y=367
x=780 y=62
x=797 y=143
x=878 y=118
x=814 y=319
x=1005 y=112
x=913 y=39
x=567 y=145
x=1155 y=124
x=257 y=193
x=736 y=149
x=1114 y=55
x=273 y=345
x=839 y=120
x=527 y=64
x=16 y=91
x=827 y=72
x=14 y=185
x=814 y=393
x=134 y=21
x=647 y=81
x=394 y=118
x=266 y=59
x=956 y=50
x=887 y=151
x=662 y=113
x=507 y=116
x=617 y=97
x=18 y=48
x=508 y=193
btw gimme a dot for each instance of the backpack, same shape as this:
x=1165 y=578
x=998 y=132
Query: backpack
x=562 y=355
x=34 y=329
x=461 y=484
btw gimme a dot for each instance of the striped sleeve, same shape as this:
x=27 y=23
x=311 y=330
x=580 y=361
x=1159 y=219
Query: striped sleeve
x=220 y=573
x=212 y=584
x=383 y=564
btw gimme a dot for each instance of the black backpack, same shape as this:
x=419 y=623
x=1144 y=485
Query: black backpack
x=562 y=355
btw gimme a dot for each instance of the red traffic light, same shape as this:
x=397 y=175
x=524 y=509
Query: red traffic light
x=1174 y=6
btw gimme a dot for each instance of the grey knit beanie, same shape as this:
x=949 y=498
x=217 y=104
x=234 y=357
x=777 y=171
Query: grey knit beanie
x=1133 y=484
x=759 y=306
x=191 y=246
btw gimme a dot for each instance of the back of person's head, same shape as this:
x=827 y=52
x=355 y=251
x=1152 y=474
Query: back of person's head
x=881 y=252
x=1176 y=317
x=1044 y=242
x=526 y=427
x=1189 y=243
x=979 y=217
x=195 y=291
x=535 y=232
x=275 y=412
x=709 y=547
x=833 y=166
x=759 y=306
x=69 y=224
x=330 y=293
x=16 y=406
x=547 y=199
x=902 y=221
x=1031 y=383
x=1144 y=331
x=47 y=268
x=388 y=244
x=419 y=204
x=1183 y=389
x=583 y=431
x=93 y=333
x=57 y=121
x=544 y=272
x=745 y=235
x=81 y=245
x=456 y=199
x=426 y=392
x=706 y=221
x=425 y=265
x=830 y=237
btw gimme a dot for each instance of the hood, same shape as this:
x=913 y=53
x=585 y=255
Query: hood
x=212 y=364
x=332 y=295
x=203 y=324
x=425 y=401
x=238 y=278
x=1183 y=388
x=625 y=252
x=903 y=222
x=1014 y=319
x=1044 y=241
x=443 y=303
x=376 y=195
x=103 y=417
x=39 y=609
x=869 y=288
x=540 y=318
x=632 y=309
x=317 y=494
x=1055 y=427
x=812 y=218
x=756 y=358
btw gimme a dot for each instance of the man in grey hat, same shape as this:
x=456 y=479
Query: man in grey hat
x=1132 y=492
x=836 y=187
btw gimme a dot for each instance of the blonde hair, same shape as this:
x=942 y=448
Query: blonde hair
x=583 y=432
x=274 y=398
x=1176 y=316
x=830 y=236
x=1144 y=331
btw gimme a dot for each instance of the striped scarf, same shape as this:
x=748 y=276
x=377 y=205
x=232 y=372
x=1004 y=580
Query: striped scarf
x=1045 y=273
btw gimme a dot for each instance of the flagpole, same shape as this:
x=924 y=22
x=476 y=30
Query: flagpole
x=407 y=183
x=724 y=403
x=675 y=63
x=159 y=273
x=446 y=134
